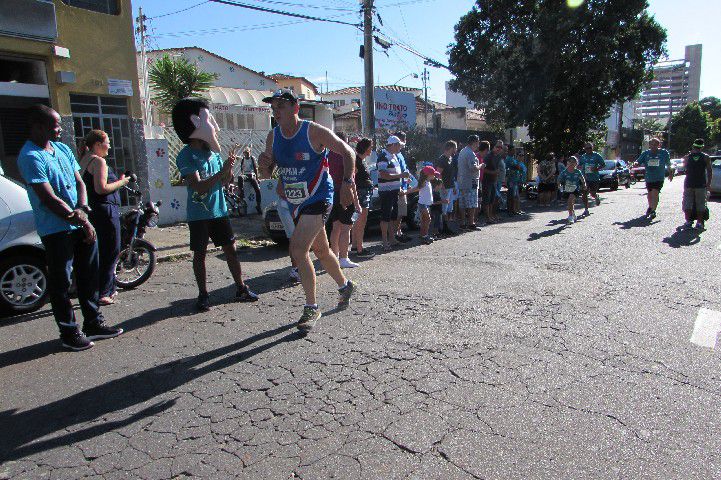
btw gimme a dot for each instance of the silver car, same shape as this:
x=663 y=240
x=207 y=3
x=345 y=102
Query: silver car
x=23 y=277
x=716 y=175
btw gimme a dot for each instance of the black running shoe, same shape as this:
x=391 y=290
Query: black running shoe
x=244 y=294
x=76 y=341
x=203 y=303
x=100 y=331
x=403 y=238
x=652 y=215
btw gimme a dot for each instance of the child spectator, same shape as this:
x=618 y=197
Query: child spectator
x=425 y=200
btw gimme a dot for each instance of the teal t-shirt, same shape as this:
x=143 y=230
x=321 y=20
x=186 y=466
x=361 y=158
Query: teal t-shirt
x=590 y=164
x=207 y=205
x=58 y=168
x=570 y=181
x=517 y=170
x=655 y=164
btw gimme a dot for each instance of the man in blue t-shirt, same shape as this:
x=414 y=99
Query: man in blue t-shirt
x=59 y=200
x=656 y=160
x=205 y=175
x=402 y=199
x=590 y=163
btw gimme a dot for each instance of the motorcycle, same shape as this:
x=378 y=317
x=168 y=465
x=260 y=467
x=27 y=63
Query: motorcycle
x=137 y=260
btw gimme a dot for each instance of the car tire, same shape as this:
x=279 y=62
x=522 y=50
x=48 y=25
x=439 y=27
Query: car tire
x=31 y=272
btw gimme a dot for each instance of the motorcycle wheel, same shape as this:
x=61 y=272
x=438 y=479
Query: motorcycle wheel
x=135 y=267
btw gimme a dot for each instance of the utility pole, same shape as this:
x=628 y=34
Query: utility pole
x=369 y=107
x=144 y=67
x=425 y=98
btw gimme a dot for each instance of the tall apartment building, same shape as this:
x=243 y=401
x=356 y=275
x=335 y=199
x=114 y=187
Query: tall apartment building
x=676 y=83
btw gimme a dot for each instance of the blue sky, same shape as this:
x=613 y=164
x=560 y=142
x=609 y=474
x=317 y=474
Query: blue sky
x=271 y=43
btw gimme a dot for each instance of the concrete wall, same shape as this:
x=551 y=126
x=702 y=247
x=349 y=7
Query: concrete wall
x=299 y=87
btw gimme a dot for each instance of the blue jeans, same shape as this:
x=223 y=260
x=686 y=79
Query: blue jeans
x=67 y=252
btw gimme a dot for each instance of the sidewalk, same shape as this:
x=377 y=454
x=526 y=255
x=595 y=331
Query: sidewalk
x=172 y=241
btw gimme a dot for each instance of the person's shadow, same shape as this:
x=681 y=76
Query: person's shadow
x=638 y=222
x=560 y=225
x=682 y=237
x=21 y=430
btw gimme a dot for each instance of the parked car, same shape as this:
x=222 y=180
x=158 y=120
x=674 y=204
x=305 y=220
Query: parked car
x=531 y=189
x=273 y=227
x=716 y=175
x=638 y=171
x=23 y=274
x=678 y=163
x=614 y=174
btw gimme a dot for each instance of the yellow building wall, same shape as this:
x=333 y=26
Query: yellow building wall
x=101 y=47
x=299 y=87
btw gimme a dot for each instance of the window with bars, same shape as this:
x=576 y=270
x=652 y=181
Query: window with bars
x=109 y=114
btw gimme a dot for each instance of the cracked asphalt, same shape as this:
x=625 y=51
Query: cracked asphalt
x=524 y=350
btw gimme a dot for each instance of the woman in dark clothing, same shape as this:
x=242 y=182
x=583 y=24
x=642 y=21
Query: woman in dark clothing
x=364 y=187
x=102 y=186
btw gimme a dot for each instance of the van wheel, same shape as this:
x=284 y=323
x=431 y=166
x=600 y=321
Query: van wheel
x=23 y=284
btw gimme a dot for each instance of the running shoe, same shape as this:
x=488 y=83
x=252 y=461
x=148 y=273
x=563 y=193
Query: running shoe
x=344 y=293
x=403 y=238
x=570 y=220
x=75 y=341
x=700 y=226
x=598 y=201
x=648 y=211
x=293 y=275
x=202 y=304
x=652 y=215
x=100 y=331
x=346 y=263
x=427 y=240
x=585 y=212
x=575 y=218
x=244 y=294
x=309 y=318
x=365 y=253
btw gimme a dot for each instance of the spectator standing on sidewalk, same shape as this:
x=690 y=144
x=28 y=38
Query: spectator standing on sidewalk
x=515 y=178
x=402 y=199
x=389 y=186
x=59 y=201
x=444 y=164
x=249 y=173
x=547 y=183
x=364 y=190
x=468 y=172
x=490 y=176
x=501 y=203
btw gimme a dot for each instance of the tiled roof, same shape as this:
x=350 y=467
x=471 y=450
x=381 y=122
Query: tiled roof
x=357 y=90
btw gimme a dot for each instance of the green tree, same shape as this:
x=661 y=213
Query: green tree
x=173 y=79
x=649 y=125
x=554 y=68
x=712 y=106
x=687 y=125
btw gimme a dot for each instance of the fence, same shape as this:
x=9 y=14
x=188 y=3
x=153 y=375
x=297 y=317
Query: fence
x=227 y=139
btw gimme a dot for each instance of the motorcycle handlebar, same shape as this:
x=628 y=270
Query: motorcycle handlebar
x=132 y=176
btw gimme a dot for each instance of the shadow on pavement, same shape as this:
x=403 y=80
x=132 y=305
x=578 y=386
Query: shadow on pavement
x=27 y=317
x=21 y=429
x=638 y=222
x=682 y=238
x=39 y=350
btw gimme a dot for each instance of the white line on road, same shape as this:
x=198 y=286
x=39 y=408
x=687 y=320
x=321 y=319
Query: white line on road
x=706 y=328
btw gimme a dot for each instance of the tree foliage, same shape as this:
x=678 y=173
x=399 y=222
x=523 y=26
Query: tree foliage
x=172 y=79
x=649 y=125
x=554 y=68
x=687 y=125
x=712 y=106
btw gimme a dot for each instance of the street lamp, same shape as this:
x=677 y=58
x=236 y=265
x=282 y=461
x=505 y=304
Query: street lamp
x=414 y=75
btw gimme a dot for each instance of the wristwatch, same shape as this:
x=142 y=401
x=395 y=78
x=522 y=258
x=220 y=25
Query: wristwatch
x=348 y=180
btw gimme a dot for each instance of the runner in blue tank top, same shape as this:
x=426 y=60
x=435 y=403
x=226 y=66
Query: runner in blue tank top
x=299 y=149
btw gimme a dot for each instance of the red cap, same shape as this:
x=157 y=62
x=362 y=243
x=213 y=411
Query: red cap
x=428 y=170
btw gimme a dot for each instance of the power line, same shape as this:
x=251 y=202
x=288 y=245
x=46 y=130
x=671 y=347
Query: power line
x=222 y=30
x=178 y=11
x=307 y=5
x=281 y=12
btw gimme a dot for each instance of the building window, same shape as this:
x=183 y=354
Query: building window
x=109 y=114
x=101 y=6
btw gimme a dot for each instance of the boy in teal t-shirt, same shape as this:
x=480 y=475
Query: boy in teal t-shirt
x=572 y=184
x=656 y=160
x=205 y=174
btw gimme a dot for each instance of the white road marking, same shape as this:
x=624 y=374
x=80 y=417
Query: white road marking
x=706 y=328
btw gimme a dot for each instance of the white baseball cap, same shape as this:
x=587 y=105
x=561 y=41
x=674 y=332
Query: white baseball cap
x=393 y=140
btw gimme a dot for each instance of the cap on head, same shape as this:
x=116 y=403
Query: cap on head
x=283 y=93
x=392 y=140
x=699 y=143
x=429 y=170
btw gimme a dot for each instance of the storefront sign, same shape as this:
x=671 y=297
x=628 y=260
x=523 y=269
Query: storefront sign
x=393 y=109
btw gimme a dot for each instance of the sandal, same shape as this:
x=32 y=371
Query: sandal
x=106 y=301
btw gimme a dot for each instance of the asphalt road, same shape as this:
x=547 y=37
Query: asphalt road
x=525 y=350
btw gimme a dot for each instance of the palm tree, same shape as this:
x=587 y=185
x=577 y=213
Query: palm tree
x=173 y=79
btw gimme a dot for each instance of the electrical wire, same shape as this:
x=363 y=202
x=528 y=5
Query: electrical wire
x=281 y=12
x=178 y=11
x=307 y=5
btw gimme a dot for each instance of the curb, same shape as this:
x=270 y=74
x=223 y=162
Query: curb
x=241 y=244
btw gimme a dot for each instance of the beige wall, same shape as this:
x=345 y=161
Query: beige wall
x=300 y=87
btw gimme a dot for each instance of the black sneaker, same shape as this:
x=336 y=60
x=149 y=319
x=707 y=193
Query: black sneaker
x=203 y=302
x=365 y=253
x=427 y=240
x=652 y=215
x=308 y=319
x=344 y=294
x=244 y=294
x=100 y=331
x=403 y=238
x=76 y=341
